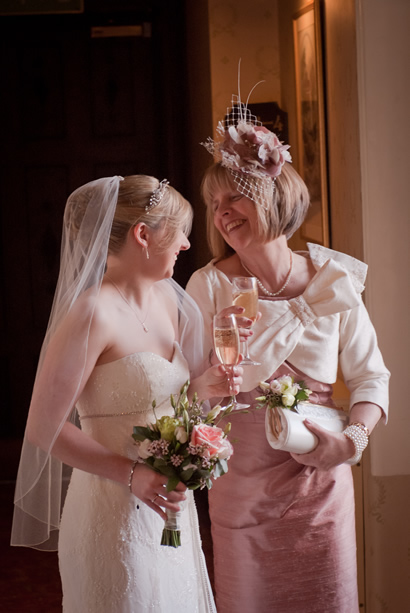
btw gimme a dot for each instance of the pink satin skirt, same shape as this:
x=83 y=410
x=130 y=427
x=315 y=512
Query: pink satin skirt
x=283 y=533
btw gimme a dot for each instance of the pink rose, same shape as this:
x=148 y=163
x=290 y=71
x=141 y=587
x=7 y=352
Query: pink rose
x=213 y=438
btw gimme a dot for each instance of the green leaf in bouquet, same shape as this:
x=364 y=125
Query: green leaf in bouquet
x=172 y=483
x=140 y=433
x=162 y=467
x=221 y=467
x=192 y=485
x=187 y=474
x=202 y=473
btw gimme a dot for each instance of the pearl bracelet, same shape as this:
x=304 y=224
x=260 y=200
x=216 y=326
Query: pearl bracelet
x=359 y=435
x=133 y=465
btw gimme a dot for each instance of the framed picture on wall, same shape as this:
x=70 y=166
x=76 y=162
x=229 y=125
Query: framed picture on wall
x=311 y=120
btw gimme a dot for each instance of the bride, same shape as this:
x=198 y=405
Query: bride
x=121 y=334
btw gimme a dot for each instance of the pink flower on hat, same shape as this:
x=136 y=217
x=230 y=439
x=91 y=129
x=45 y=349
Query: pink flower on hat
x=255 y=148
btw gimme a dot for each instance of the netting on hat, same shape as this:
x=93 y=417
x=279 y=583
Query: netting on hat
x=253 y=154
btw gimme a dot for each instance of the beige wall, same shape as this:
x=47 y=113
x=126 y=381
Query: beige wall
x=384 y=101
x=248 y=31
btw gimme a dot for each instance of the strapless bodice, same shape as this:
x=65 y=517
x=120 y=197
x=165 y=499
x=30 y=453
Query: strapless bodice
x=119 y=395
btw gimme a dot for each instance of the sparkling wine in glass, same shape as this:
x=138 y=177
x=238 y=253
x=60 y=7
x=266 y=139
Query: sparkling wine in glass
x=245 y=294
x=227 y=348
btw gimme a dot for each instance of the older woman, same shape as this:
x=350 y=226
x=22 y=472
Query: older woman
x=283 y=524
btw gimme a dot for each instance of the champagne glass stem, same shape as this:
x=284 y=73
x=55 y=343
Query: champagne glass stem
x=247 y=360
x=246 y=355
x=236 y=405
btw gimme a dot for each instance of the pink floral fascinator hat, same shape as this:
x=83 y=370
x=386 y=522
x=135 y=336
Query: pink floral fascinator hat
x=253 y=154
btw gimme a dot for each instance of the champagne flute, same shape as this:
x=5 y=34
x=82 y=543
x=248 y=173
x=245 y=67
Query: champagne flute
x=227 y=348
x=245 y=294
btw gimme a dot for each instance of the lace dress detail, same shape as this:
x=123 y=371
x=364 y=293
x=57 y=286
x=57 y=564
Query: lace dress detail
x=357 y=269
x=110 y=555
x=301 y=308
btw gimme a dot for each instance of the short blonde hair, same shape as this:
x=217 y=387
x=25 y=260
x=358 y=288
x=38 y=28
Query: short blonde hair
x=173 y=212
x=284 y=215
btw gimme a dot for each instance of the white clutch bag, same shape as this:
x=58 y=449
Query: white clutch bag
x=286 y=431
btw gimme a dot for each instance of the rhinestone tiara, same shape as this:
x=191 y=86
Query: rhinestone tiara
x=157 y=195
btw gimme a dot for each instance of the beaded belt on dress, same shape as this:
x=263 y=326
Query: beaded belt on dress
x=110 y=414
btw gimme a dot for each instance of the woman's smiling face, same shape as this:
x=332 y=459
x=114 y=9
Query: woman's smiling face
x=234 y=217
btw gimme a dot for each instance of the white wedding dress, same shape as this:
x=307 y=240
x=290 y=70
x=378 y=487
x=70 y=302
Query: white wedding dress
x=110 y=556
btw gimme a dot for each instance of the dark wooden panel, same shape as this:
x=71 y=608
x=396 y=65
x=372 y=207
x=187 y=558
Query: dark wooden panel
x=46 y=193
x=41 y=91
x=73 y=109
x=112 y=80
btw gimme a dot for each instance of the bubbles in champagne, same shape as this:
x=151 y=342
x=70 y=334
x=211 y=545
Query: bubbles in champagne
x=227 y=345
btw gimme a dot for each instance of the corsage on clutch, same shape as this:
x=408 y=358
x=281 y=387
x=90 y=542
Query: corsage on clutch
x=287 y=407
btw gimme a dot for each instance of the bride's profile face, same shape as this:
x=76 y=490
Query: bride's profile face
x=165 y=258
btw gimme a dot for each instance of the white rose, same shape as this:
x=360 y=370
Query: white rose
x=225 y=450
x=143 y=451
x=288 y=399
x=181 y=435
x=286 y=383
x=276 y=387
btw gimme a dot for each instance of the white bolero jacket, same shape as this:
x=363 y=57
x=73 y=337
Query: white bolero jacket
x=326 y=327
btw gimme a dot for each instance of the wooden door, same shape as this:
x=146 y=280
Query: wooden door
x=74 y=108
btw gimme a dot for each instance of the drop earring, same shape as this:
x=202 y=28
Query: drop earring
x=146 y=252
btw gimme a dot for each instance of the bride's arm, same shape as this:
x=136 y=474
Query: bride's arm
x=77 y=449
x=59 y=384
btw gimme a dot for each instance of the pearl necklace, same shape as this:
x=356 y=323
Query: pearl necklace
x=144 y=327
x=263 y=288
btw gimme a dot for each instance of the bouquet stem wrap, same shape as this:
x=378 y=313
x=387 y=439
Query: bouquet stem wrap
x=171 y=534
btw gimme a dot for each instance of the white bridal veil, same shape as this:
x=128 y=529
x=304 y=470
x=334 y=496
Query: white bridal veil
x=42 y=479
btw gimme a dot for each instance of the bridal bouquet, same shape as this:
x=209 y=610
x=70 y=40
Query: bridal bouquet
x=187 y=447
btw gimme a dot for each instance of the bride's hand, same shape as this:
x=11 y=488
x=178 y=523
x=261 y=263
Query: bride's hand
x=216 y=381
x=150 y=487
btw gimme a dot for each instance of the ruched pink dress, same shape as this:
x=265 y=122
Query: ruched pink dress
x=284 y=533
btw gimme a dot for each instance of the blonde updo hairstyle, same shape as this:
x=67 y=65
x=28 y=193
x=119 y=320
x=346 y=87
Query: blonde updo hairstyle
x=284 y=215
x=173 y=212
